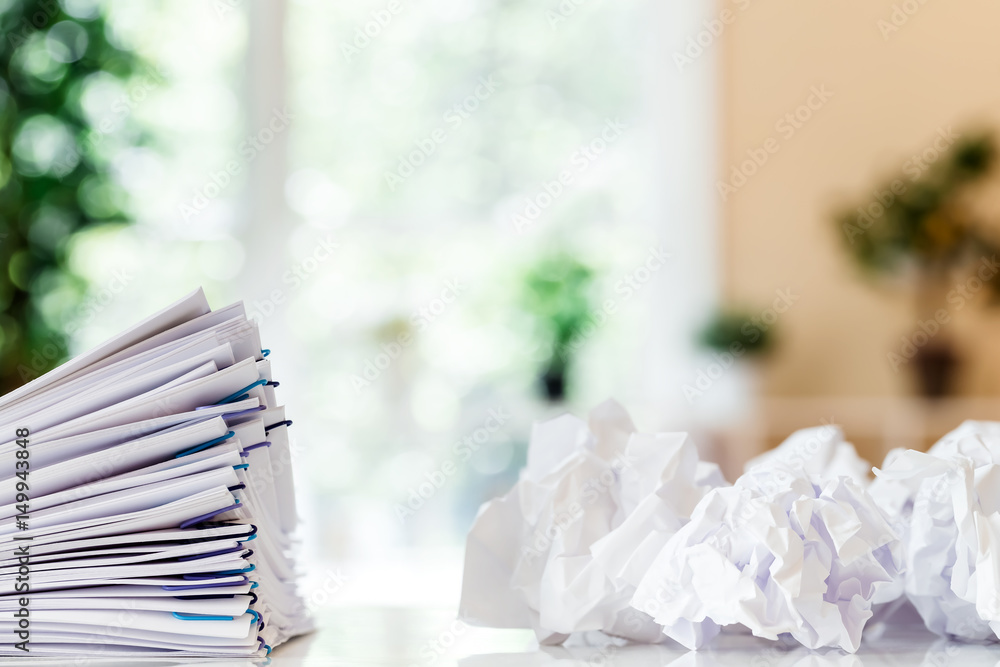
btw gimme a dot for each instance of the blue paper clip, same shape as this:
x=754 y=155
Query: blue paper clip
x=241 y=466
x=229 y=573
x=198 y=617
x=242 y=393
x=265 y=352
x=205 y=445
x=252 y=535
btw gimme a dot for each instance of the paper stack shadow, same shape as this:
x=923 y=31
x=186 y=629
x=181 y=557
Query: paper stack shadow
x=146 y=497
x=628 y=534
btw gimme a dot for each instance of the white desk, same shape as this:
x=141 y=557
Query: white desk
x=405 y=638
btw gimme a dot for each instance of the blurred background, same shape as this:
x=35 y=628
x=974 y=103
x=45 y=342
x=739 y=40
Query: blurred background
x=457 y=217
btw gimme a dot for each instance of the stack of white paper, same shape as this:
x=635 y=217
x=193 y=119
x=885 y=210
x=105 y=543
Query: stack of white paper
x=146 y=499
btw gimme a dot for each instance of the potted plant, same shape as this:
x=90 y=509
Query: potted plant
x=735 y=331
x=557 y=295
x=919 y=229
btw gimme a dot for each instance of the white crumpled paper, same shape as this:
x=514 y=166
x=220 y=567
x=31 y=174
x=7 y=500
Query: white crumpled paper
x=778 y=552
x=562 y=552
x=947 y=503
x=820 y=451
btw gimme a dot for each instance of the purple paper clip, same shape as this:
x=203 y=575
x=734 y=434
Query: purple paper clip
x=193 y=587
x=206 y=517
x=210 y=554
x=242 y=413
x=266 y=443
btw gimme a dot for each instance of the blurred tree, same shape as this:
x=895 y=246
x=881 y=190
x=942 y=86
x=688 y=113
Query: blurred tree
x=920 y=225
x=55 y=164
x=923 y=222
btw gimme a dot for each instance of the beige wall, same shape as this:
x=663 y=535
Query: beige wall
x=890 y=96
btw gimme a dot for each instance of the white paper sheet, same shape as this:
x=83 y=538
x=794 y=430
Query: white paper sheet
x=779 y=553
x=947 y=503
x=819 y=451
x=562 y=552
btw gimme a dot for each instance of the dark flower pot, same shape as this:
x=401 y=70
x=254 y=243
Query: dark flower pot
x=554 y=384
x=936 y=365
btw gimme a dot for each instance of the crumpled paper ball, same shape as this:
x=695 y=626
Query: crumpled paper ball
x=947 y=503
x=820 y=451
x=779 y=553
x=562 y=551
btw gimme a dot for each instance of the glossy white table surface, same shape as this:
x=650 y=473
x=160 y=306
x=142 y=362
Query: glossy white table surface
x=429 y=637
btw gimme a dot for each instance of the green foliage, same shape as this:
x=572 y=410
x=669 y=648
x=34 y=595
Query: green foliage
x=736 y=326
x=55 y=175
x=923 y=221
x=558 y=296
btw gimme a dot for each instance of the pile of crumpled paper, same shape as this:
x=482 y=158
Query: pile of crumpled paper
x=630 y=534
